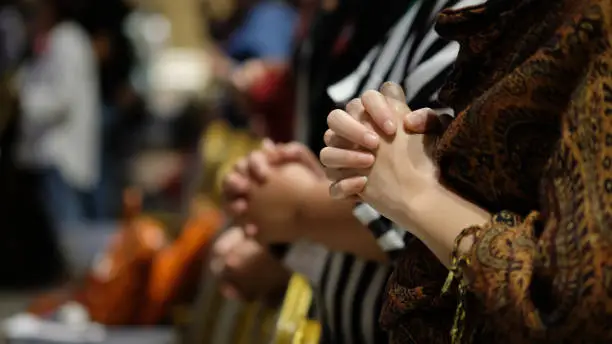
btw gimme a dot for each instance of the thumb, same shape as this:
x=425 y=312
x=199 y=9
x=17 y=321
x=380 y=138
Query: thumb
x=424 y=121
x=396 y=98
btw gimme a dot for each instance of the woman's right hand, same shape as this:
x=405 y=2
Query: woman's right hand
x=354 y=132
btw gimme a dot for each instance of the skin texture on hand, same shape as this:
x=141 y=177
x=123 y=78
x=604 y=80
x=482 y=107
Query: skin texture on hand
x=255 y=169
x=273 y=205
x=355 y=137
x=280 y=194
x=403 y=183
x=245 y=269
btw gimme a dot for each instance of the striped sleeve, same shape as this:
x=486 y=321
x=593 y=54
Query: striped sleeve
x=414 y=56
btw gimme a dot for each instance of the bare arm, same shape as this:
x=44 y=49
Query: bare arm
x=295 y=205
x=331 y=222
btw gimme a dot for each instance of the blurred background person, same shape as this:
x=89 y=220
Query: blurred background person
x=29 y=251
x=58 y=90
x=254 y=43
x=122 y=109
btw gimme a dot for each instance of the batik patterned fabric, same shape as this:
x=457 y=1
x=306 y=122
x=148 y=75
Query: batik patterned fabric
x=532 y=143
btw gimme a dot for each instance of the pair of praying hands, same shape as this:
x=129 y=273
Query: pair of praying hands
x=379 y=151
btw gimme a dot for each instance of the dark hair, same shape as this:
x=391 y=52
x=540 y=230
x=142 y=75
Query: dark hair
x=63 y=9
x=105 y=18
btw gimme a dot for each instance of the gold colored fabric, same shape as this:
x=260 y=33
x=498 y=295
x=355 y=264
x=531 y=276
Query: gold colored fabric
x=531 y=143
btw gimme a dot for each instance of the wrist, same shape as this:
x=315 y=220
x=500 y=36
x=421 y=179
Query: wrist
x=316 y=210
x=306 y=214
x=438 y=216
x=418 y=202
x=437 y=205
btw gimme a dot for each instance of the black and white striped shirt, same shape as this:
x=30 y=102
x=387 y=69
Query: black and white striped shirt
x=351 y=290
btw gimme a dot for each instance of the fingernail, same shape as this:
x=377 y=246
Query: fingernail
x=393 y=90
x=334 y=192
x=389 y=127
x=365 y=180
x=411 y=120
x=370 y=140
x=414 y=120
x=360 y=185
x=366 y=159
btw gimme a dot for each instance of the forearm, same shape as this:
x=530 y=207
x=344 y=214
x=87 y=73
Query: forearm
x=331 y=223
x=438 y=217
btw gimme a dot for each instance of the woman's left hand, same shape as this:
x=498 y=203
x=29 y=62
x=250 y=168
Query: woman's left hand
x=403 y=168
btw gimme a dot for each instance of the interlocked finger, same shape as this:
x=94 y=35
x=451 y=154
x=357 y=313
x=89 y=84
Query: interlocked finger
x=396 y=98
x=350 y=129
x=343 y=158
x=355 y=109
x=336 y=174
x=242 y=166
x=235 y=185
x=269 y=148
x=347 y=188
x=258 y=165
x=331 y=139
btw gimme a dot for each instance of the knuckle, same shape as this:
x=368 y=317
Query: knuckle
x=228 y=183
x=328 y=136
x=296 y=147
x=256 y=154
x=353 y=159
x=351 y=188
x=355 y=105
x=430 y=111
x=325 y=154
x=334 y=115
x=343 y=188
x=242 y=163
x=332 y=174
x=369 y=93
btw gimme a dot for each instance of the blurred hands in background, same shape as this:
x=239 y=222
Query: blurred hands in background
x=265 y=190
x=246 y=270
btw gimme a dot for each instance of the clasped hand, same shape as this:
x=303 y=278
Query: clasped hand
x=262 y=193
x=379 y=151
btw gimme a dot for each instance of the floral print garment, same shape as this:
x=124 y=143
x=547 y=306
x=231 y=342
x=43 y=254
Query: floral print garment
x=532 y=143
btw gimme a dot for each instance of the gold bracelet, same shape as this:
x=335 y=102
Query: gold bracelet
x=455 y=273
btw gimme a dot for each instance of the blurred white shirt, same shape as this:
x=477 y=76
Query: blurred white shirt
x=60 y=102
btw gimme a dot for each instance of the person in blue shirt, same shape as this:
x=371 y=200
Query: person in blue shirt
x=266 y=33
x=263 y=39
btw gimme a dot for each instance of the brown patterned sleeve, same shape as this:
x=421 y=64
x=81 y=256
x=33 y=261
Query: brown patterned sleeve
x=549 y=274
